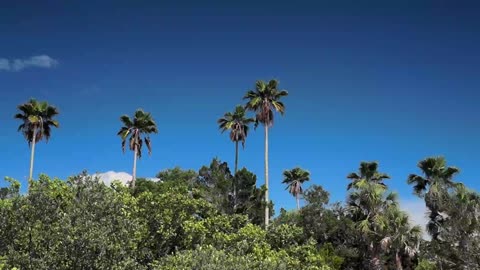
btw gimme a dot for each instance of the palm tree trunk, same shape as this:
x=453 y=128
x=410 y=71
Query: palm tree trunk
x=398 y=261
x=236 y=157
x=375 y=260
x=298 y=201
x=235 y=179
x=267 y=200
x=134 y=173
x=32 y=154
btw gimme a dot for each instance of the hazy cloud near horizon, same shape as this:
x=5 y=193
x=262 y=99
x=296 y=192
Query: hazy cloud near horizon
x=38 y=61
x=108 y=177
x=416 y=210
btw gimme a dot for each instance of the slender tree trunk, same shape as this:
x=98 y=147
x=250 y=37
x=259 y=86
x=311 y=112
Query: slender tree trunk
x=267 y=200
x=298 y=201
x=235 y=179
x=398 y=261
x=134 y=173
x=375 y=260
x=236 y=157
x=32 y=154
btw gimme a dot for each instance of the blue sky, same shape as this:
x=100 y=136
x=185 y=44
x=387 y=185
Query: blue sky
x=367 y=82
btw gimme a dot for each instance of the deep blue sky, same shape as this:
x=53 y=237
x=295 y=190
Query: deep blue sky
x=367 y=82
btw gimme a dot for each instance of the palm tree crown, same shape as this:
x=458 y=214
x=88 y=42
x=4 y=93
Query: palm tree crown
x=437 y=175
x=264 y=100
x=142 y=123
x=294 y=179
x=37 y=120
x=369 y=172
x=237 y=123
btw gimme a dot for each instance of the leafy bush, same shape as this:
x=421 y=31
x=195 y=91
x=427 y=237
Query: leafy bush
x=209 y=258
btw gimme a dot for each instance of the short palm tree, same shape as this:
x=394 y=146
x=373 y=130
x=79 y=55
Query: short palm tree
x=238 y=124
x=294 y=179
x=264 y=100
x=141 y=124
x=37 y=121
x=403 y=238
x=434 y=187
x=369 y=172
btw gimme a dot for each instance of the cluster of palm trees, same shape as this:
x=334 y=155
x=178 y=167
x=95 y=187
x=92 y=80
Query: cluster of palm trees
x=264 y=101
x=38 y=119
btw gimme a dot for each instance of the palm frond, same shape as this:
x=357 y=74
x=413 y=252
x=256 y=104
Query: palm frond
x=353 y=176
x=36 y=116
x=126 y=121
x=148 y=143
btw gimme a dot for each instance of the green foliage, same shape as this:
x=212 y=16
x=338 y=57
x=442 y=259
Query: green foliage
x=79 y=224
x=178 y=175
x=425 y=265
x=12 y=190
x=250 y=249
x=195 y=221
x=209 y=258
x=168 y=218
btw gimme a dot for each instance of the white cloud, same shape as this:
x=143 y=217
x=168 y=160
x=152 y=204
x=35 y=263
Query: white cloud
x=38 y=61
x=108 y=177
x=417 y=212
x=4 y=64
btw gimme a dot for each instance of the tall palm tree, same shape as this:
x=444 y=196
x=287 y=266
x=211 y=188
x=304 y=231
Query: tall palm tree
x=369 y=172
x=434 y=186
x=37 y=121
x=238 y=124
x=141 y=124
x=264 y=100
x=294 y=179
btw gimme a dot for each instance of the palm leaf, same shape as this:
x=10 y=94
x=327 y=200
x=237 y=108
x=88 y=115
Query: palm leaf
x=148 y=143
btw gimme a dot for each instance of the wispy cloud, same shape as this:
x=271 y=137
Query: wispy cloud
x=38 y=61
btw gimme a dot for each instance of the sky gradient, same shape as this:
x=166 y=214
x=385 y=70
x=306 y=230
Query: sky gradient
x=392 y=83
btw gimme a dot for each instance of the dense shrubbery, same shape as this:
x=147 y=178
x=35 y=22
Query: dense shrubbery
x=188 y=221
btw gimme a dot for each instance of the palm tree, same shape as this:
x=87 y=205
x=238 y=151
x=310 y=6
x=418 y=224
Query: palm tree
x=238 y=124
x=264 y=100
x=369 y=204
x=434 y=186
x=37 y=120
x=403 y=238
x=294 y=179
x=141 y=124
x=367 y=171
